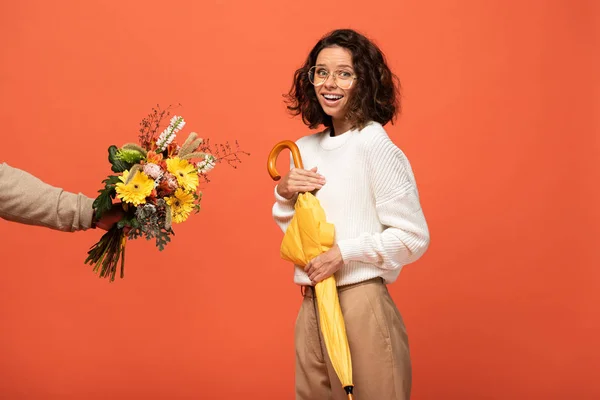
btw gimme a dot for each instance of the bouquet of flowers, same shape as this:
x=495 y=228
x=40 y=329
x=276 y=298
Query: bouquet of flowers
x=157 y=182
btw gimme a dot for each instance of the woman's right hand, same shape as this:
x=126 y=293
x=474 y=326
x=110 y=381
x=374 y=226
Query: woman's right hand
x=300 y=180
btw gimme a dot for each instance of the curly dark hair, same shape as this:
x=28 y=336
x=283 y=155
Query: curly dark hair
x=376 y=96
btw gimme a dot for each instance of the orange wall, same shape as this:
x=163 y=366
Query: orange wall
x=499 y=128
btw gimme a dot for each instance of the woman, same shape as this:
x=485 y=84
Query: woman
x=366 y=186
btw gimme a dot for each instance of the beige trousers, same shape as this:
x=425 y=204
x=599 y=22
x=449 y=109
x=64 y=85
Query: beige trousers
x=378 y=345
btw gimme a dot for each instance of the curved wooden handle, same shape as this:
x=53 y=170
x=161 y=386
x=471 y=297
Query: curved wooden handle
x=272 y=160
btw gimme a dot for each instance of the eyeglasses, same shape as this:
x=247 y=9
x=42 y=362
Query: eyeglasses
x=319 y=75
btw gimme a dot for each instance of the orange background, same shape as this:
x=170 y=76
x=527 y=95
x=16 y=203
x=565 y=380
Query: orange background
x=500 y=123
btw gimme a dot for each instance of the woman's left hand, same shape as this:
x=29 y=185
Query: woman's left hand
x=324 y=265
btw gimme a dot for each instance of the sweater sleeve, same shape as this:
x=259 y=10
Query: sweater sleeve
x=283 y=209
x=405 y=237
x=27 y=200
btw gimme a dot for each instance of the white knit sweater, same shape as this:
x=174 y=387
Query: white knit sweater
x=370 y=196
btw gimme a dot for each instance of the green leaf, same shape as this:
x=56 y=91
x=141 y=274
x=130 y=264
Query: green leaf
x=161 y=241
x=103 y=202
x=118 y=165
x=128 y=220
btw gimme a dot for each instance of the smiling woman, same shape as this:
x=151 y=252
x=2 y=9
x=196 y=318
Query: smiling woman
x=344 y=83
x=371 y=198
x=333 y=89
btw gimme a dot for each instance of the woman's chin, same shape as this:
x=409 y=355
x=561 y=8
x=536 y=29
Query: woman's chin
x=333 y=112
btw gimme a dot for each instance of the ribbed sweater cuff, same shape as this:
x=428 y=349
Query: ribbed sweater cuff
x=350 y=249
x=285 y=204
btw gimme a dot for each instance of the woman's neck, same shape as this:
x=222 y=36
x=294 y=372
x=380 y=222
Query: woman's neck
x=340 y=126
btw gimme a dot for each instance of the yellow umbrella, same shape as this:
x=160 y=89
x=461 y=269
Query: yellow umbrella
x=307 y=236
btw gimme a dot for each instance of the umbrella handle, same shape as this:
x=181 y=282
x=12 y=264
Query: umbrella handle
x=272 y=160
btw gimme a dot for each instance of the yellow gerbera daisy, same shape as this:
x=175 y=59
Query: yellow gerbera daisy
x=182 y=204
x=136 y=190
x=186 y=174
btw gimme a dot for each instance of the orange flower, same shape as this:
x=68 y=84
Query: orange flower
x=154 y=158
x=172 y=149
x=153 y=196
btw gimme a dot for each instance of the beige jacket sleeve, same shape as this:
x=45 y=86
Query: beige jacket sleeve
x=26 y=199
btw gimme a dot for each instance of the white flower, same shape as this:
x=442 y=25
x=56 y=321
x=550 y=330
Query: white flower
x=207 y=164
x=177 y=122
x=154 y=171
x=167 y=136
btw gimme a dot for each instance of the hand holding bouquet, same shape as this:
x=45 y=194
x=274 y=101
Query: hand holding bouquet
x=157 y=182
